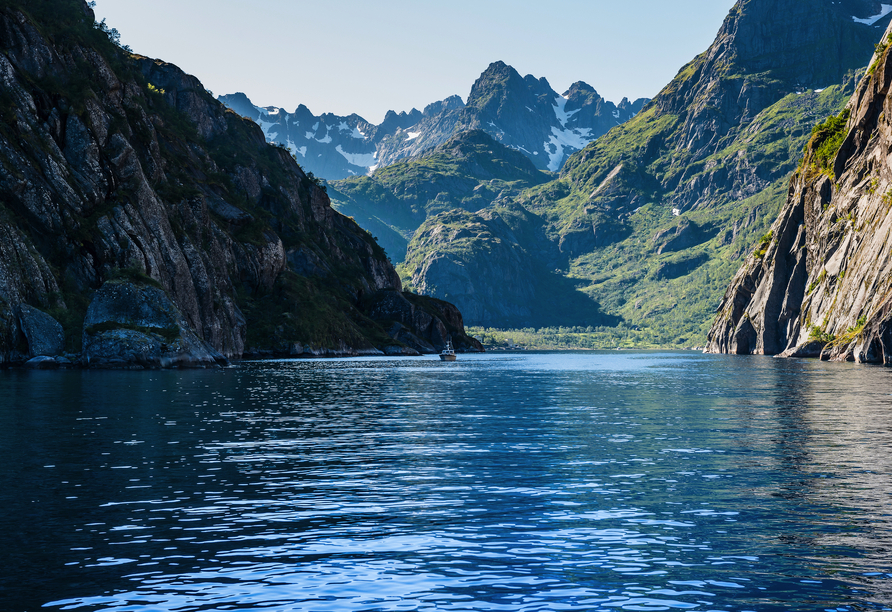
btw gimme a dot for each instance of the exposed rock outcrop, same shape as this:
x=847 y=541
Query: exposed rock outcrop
x=493 y=265
x=137 y=324
x=423 y=323
x=820 y=284
x=44 y=334
x=117 y=167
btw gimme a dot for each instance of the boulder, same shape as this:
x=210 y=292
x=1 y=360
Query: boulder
x=131 y=324
x=42 y=363
x=44 y=334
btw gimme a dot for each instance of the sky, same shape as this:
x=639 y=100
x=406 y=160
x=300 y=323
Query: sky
x=368 y=57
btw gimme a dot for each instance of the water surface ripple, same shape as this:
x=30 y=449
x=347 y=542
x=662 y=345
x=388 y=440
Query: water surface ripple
x=600 y=481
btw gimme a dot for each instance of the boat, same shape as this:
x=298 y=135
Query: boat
x=448 y=353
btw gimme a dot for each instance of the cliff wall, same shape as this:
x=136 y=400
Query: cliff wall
x=116 y=168
x=819 y=284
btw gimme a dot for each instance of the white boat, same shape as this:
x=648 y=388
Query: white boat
x=448 y=353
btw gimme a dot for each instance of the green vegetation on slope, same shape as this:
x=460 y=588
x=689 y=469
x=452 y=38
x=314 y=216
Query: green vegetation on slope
x=826 y=140
x=468 y=172
x=668 y=272
x=567 y=338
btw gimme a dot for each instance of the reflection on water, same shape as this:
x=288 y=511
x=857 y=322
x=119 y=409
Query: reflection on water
x=610 y=481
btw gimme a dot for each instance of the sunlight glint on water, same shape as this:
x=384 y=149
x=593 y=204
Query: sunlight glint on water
x=610 y=481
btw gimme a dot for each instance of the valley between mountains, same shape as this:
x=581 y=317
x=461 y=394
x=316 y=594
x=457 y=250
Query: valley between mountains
x=632 y=239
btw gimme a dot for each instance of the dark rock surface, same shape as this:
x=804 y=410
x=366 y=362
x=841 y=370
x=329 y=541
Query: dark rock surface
x=422 y=323
x=42 y=363
x=117 y=167
x=44 y=334
x=130 y=324
x=494 y=266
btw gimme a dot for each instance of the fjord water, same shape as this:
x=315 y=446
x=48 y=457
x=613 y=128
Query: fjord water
x=563 y=481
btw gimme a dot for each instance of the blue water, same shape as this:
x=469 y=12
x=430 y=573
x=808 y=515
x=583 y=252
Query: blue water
x=607 y=481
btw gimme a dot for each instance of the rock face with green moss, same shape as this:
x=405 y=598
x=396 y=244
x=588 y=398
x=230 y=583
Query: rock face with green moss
x=820 y=282
x=121 y=173
x=652 y=219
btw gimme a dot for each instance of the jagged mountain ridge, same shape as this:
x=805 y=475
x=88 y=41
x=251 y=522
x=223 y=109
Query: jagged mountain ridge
x=144 y=224
x=652 y=219
x=819 y=284
x=524 y=113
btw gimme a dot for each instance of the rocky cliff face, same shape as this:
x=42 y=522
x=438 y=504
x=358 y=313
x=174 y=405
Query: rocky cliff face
x=134 y=202
x=653 y=218
x=819 y=284
x=523 y=113
x=510 y=284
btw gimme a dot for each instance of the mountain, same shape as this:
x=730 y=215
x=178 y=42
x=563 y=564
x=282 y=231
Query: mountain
x=819 y=282
x=524 y=113
x=469 y=171
x=652 y=219
x=511 y=283
x=145 y=225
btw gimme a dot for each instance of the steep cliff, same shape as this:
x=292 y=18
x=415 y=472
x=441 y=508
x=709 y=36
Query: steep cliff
x=510 y=284
x=653 y=218
x=156 y=226
x=820 y=282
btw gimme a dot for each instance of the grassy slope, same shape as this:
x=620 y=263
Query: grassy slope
x=468 y=172
x=625 y=277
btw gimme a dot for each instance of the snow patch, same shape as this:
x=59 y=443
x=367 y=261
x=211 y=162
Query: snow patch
x=560 y=141
x=372 y=169
x=560 y=111
x=616 y=114
x=265 y=126
x=343 y=127
x=676 y=212
x=363 y=160
x=413 y=135
x=312 y=135
x=885 y=9
x=357 y=134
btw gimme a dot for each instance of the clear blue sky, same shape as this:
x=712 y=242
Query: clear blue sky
x=362 y=56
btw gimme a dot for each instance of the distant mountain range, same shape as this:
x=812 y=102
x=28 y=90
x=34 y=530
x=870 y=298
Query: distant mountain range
x=523 y=113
